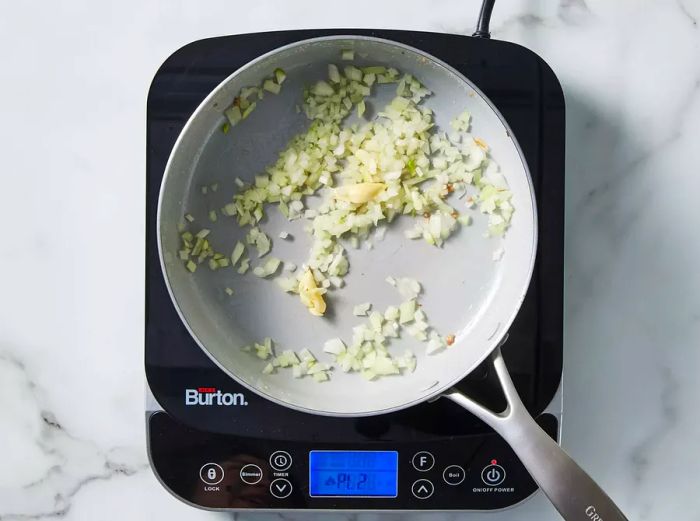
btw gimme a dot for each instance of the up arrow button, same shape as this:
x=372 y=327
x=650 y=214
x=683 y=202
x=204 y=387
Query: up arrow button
x=422 y=489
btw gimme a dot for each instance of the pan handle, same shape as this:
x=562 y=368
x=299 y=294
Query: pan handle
x=572 y=492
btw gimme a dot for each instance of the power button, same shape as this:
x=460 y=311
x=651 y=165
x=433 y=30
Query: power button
x=493 y=474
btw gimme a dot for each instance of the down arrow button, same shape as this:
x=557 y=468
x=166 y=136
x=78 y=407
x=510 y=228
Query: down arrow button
x=280 y=488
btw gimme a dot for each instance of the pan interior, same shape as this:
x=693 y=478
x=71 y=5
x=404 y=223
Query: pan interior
x=465 y=292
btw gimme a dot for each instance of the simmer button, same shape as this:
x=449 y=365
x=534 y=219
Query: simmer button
x=251 y=474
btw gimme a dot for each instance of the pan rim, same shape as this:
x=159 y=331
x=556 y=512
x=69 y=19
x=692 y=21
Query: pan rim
x=505 y=323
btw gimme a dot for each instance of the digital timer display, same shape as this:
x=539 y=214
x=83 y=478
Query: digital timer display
x=353 y=473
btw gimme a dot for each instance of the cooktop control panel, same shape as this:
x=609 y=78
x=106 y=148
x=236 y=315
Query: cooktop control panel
x=230 y=472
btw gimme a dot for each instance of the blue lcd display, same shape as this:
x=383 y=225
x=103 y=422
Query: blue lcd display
x=336 y=473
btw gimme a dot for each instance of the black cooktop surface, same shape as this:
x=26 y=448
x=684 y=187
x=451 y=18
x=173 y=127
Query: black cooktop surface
x=527 y=93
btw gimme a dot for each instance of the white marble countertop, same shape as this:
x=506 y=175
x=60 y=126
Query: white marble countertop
x=74 y=82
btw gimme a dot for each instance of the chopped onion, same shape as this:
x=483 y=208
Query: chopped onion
x=461 y=122
x=334 y=346
x=234 y=115
x=352 y=73
x=264 y=350
x=260 y=240
x=288 y=284
x=333 y=73
x=408 y=288
x=267 y=269
x=391 y=313
x=271 y=86
x=321 y=376
x=238 y=250
x=376 y=320
x=306 y=355
x=396 y=164
x=361 y=309
x=407 y=311
x=322 y=88
x=229 y=209
x=250 y=109
x=245 y=264
x=435 y=343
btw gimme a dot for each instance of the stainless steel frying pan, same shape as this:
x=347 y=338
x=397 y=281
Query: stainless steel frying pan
x=466 y=292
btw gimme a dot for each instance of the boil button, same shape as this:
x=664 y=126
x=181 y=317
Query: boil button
x=453 y=475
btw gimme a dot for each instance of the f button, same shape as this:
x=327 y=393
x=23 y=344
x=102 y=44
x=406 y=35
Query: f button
x=423 y=461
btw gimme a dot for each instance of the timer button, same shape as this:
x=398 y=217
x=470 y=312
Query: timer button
x=423 y=461
x=422 y=489
x=493 y=474
x=280 y=488
x=453 y=475
x=280 y=460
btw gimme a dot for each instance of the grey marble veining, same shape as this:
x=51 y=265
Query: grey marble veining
x=74 y=80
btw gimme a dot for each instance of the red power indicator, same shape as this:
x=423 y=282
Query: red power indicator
x=494 y=462
x=206 y=389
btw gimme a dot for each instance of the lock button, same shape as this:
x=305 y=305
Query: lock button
x=211 y=473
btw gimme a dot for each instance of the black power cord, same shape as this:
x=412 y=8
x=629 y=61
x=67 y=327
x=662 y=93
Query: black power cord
x=482 y=24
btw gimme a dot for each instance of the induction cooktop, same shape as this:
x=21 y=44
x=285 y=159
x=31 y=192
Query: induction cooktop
x=230 y=449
